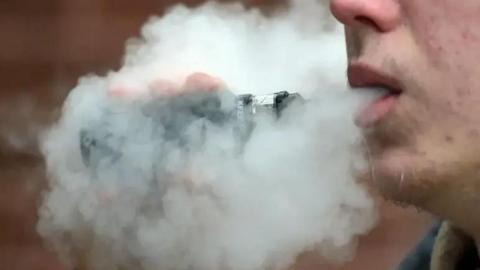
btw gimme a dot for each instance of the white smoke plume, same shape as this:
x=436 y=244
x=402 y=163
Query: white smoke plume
x=201 y=204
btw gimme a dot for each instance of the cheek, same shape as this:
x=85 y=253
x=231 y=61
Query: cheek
x=445 y=29
x=448 y=51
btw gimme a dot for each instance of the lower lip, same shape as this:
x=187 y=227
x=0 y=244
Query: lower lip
x=376 y=111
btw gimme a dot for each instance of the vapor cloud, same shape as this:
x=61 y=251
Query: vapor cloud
x=201 y=204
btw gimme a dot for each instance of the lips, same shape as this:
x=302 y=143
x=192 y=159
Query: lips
x=365 y=77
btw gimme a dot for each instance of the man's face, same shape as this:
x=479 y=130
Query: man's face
x=423 y=137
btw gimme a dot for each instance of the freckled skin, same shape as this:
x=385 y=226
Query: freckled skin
x=432 y=138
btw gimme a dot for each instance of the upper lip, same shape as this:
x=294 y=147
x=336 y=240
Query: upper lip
x=364 y=75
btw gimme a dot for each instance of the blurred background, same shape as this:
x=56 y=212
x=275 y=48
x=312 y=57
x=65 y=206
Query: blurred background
x=45 y=46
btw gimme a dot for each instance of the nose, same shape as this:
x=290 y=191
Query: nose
x=382 y=15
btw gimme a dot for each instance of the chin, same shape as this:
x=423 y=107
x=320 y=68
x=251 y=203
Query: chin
x=401 y=177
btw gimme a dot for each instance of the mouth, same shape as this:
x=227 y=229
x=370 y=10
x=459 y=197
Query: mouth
x=366 y=78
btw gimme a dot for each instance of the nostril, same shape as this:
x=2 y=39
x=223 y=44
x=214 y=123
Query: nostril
x=368 y=22
x=378 y=15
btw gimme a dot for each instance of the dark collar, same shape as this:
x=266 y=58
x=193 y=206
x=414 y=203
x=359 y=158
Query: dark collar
x=445 y=247
x=453 y=249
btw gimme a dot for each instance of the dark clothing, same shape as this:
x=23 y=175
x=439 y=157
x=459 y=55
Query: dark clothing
x=445 y=247
x=419 y=258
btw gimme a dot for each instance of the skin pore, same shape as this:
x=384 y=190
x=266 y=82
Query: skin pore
x=426 y=150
